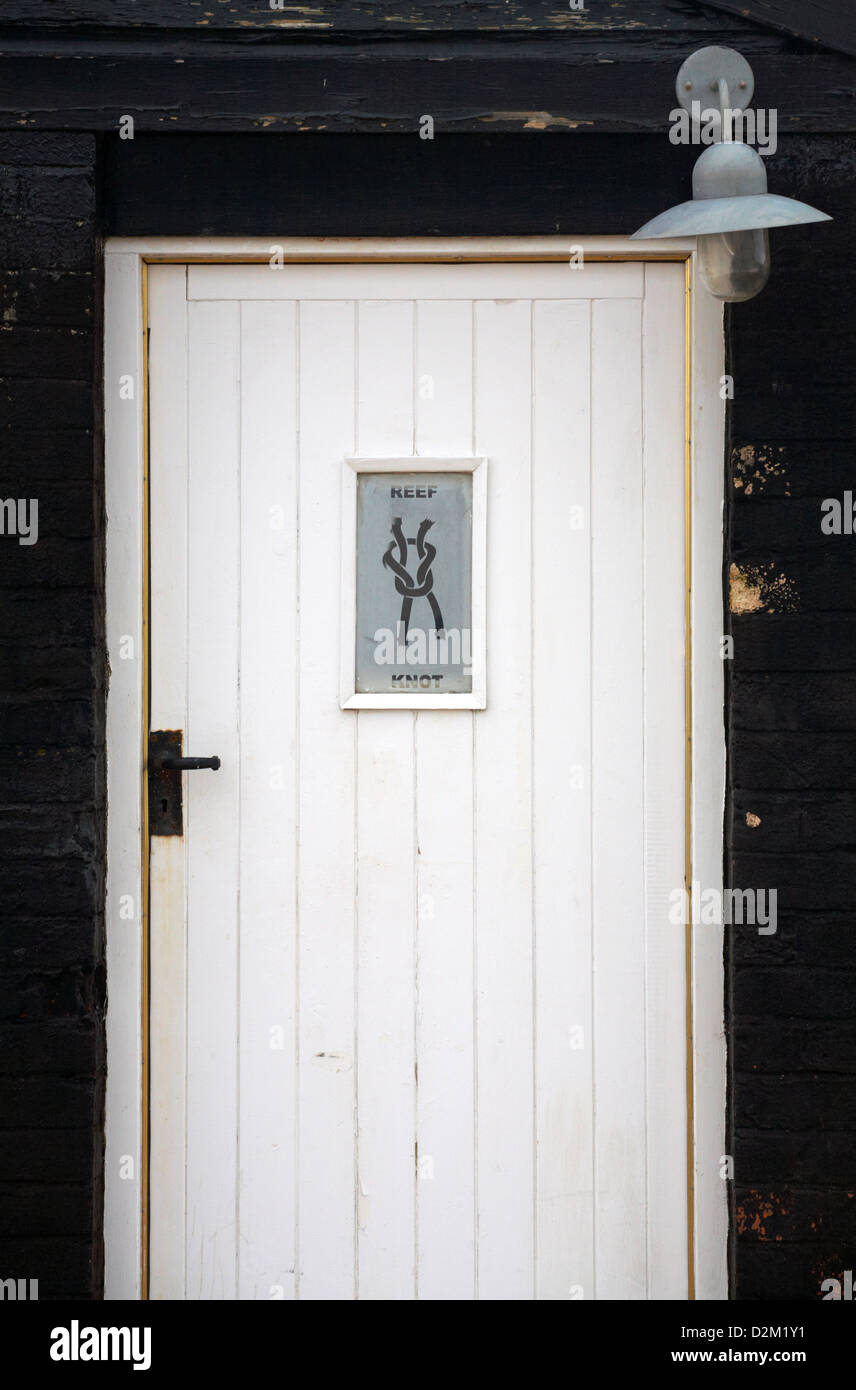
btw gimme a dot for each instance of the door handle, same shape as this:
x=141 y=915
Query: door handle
x=166 y=764
x=174 y=764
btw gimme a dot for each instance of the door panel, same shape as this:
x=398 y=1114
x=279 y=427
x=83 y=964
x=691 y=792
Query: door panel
x=267 y=854
x=386 y=846
x=561 y=753
x=418 y=1013
x=443 y=799
x=325 y=942
x=617 y=790
x=503 y=813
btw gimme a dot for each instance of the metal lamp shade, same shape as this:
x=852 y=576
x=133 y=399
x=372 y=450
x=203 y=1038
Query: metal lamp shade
x=749 y=213
x=729 y=195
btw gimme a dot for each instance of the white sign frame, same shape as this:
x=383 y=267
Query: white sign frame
x=349 y=697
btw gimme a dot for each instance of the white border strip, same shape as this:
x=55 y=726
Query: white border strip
x=124 y=463
x=384 y=249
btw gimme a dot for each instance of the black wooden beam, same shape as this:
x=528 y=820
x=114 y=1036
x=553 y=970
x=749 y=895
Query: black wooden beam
x=476 y=185
x=316 y=185
x=367 y=16
x=481 y=86
x=829 y=22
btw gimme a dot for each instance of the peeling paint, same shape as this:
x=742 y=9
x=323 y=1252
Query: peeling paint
x=302 y=23
x=752 y=466
x=744 y=596
x=757 y=1209
x=535 y=120
x=761 y=589
x=752 y=820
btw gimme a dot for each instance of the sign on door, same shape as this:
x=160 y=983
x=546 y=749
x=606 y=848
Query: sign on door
x=414 y=582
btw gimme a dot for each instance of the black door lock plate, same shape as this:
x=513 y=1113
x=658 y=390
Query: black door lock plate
x=166 y=814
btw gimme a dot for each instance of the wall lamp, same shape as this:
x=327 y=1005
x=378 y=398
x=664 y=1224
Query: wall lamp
x=730 y=210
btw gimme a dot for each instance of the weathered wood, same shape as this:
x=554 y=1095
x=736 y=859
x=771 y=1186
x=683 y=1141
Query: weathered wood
x=490 y=88
x=361 y=16
x=829 y=22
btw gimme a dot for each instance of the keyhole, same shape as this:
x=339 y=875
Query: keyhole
x=163 y=806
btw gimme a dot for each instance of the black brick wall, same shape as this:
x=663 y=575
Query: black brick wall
x=792 y=762
x=51 y=720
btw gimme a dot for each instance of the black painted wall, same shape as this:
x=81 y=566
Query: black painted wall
x=792 y=740
x=52 y=865
x=789 y=595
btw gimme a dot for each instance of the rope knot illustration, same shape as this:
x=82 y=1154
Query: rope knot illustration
x=423 y=584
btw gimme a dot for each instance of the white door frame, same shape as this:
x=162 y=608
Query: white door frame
x=126 y=444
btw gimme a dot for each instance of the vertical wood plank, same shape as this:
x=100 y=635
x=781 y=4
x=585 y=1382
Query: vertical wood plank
x=326 y=813
x=268 y=719
x=212 y=802
x=617 y=804
x=503 y=782
x=444 y=377
x=445 y=1131
x=168 y=710
x=386 y=884
x=665 y=792
x=561 y=748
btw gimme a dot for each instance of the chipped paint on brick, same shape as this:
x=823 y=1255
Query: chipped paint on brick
x=757 y=1213
x=761 y=589
x=744 y=596
x=752 y=465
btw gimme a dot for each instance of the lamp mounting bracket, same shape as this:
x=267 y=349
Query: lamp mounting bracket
x=715 y=77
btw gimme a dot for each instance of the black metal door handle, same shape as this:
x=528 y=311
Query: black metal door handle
x=174 y=764
x=166 y=764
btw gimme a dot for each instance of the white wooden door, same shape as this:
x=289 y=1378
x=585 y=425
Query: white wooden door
x=418 y=1024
